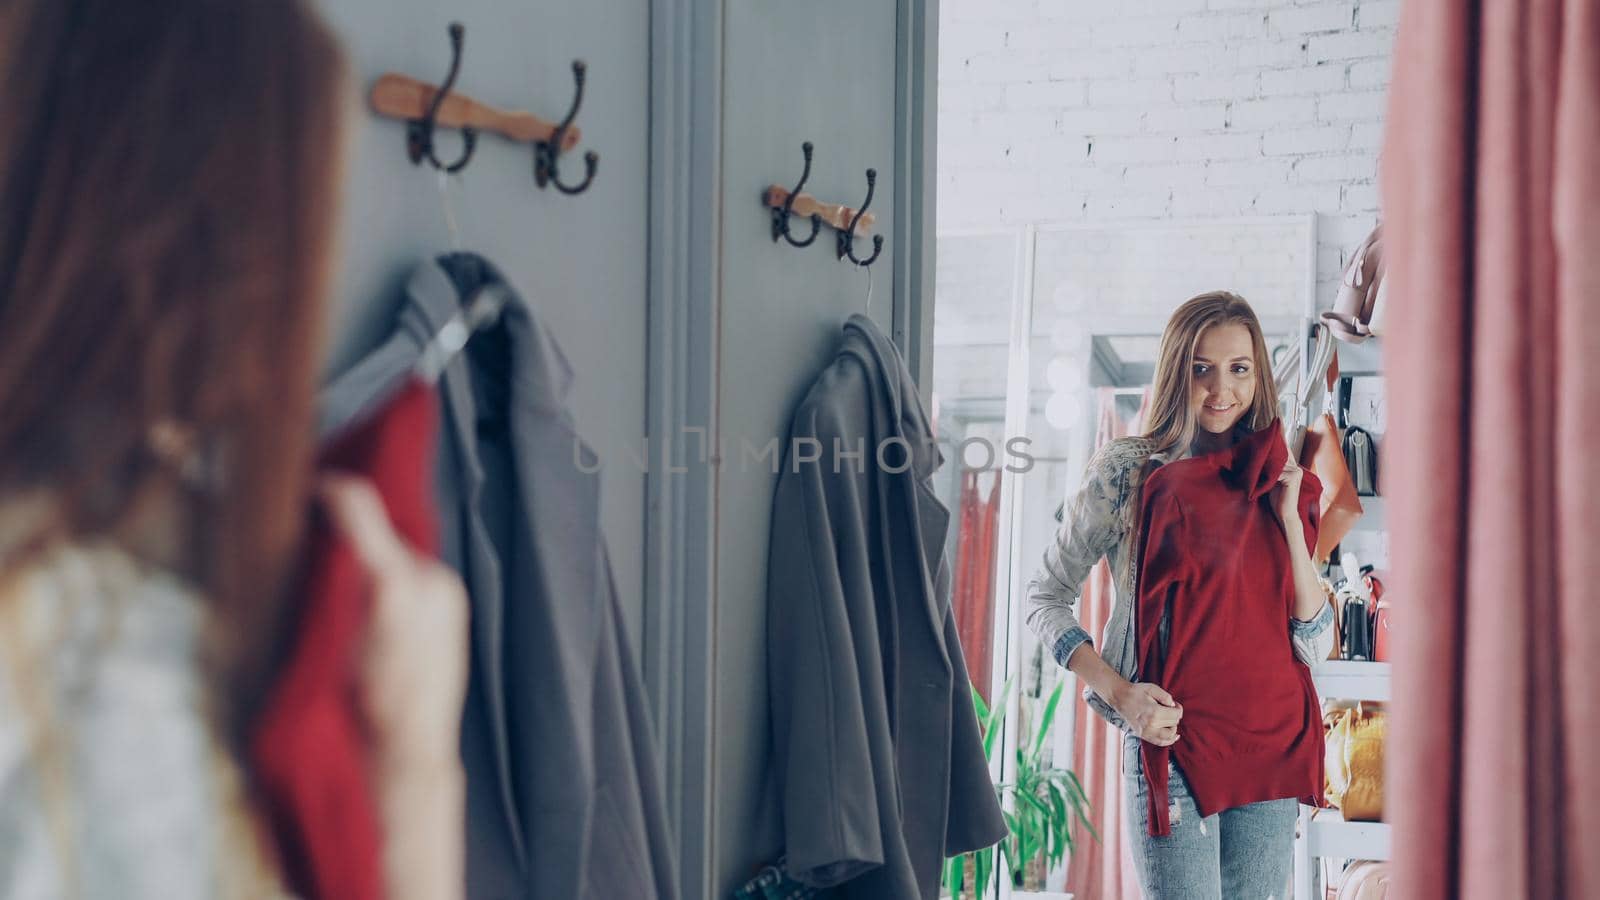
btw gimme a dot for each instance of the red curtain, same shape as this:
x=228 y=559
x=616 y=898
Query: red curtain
x=1492 y=200
x=973 y=595
x=1101 y=871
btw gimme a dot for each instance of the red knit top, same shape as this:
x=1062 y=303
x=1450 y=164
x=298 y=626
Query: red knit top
x=1215 y=561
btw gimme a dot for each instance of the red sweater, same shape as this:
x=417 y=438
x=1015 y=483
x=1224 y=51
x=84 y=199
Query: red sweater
x=1215 y=560
x=308 y=748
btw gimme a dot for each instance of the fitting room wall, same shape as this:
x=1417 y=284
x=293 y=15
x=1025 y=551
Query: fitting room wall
x=669 y=297
x=579 y=261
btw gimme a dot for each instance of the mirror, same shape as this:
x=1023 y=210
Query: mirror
x=1098 y=166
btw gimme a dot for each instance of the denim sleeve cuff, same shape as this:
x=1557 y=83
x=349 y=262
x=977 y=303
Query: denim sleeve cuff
x=1068 y=642
x=1318 y=623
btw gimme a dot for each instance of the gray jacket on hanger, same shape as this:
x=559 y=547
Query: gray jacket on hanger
x=564 y=794
x=878 y=761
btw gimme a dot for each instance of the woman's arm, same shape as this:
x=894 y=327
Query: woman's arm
x=1311 y=625
x=413 y=679
x=1089 y=529
x=1309 y=597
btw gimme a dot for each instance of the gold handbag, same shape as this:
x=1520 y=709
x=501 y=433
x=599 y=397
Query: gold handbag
x=1354 y=761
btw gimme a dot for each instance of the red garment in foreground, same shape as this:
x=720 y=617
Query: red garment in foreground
x=308 y=748
x=1214 y=557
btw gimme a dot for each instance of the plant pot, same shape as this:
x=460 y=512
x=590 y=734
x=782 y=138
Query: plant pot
x=1033 y=874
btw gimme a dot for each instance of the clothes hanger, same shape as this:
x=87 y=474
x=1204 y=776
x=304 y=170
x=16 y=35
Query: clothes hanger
x=483 y=308
x=449 y=211
x=477 y=311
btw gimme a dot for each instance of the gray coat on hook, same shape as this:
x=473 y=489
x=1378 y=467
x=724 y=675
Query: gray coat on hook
x=564 y=792
x=877 y=756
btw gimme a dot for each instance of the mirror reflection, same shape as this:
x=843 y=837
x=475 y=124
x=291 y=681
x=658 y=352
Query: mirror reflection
x=1110 y=179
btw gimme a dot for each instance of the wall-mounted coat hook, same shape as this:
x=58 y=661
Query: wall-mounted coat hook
x=547 y=154
x=425 y=108
x=847 y=235
x=420 y=132
x=784 y=207
x=785 y=203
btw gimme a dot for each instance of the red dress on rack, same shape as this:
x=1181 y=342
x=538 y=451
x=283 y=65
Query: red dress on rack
x=1215 y=562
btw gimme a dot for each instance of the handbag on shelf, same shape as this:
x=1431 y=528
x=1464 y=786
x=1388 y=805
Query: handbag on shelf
x=1353 y=761
x=1361 y=458
x=1380 y=632
x=1381 y=615
x=1356 y=633
x=1360 y=292
x=1365 y=879
x=1340 y=503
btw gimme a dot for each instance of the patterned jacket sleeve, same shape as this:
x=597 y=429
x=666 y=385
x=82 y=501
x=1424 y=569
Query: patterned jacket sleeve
x=1090 y=528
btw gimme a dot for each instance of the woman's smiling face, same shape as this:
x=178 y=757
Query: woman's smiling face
x=1223 y=381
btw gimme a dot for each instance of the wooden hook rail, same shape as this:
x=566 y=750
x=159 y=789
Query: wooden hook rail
x=403 y=97
x=835 y=215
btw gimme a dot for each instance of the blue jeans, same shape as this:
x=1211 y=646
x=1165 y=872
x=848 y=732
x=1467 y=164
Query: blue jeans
x=1243 y=853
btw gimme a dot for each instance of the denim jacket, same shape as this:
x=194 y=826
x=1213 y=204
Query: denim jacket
x=1101 y=521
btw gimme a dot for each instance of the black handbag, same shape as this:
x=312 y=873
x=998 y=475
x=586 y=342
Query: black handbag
x=1355 y=630
x=1361 y=458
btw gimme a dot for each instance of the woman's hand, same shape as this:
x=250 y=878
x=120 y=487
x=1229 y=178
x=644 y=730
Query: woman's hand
x=1286 y=497
x=1150 y=711
x=412 y=682
x=413 y=670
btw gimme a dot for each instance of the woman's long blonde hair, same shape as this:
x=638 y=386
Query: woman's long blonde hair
x=1171 y=424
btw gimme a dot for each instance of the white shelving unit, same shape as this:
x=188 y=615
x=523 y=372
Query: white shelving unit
x=1339 y=679
x=1323 y=833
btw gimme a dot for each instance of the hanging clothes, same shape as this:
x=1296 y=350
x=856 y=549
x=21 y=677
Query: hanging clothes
x=564 y=789
x=879 y=764
x=1216 y=594
x=973 y=598
x=308 y=747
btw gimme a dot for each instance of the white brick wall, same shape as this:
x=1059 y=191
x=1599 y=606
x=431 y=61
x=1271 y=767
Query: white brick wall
x=1085 y=110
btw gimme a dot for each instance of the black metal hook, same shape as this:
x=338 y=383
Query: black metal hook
x=847 y=243
x=780 y=217
x=546 y=154
x=419 y=133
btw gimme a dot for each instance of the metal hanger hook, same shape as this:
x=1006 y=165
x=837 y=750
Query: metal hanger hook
x=420 y=134
x=547 y=154
x=846 y=247
x=780 y=217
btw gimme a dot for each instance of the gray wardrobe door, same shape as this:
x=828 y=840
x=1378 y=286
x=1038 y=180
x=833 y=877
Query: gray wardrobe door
x=823 y=72
x=581 y=261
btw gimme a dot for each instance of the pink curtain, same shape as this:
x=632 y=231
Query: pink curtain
x=1492 y=193
x=1101 y=871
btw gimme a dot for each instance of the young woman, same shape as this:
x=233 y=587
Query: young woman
x=1213 y=395
x=167 y=176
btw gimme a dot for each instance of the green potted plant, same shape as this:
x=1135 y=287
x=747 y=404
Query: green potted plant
x=1045 y=801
